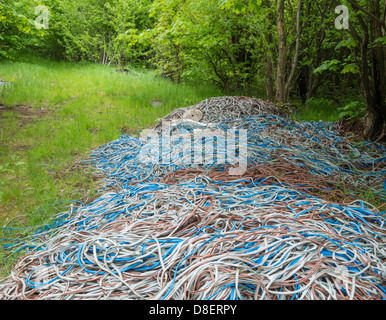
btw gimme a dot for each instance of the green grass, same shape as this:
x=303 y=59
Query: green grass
x=318 y=109
x=57 y=113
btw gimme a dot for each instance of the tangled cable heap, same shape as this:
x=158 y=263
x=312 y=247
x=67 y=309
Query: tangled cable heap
x=194 y=232
x=221 y=108
x=313 y=150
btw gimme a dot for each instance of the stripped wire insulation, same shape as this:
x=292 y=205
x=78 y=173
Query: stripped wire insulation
x=226 y=107
x=204 y=240
x=313 y=148
x=190 y=231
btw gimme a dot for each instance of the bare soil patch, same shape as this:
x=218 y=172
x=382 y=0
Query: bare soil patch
x=26 y=114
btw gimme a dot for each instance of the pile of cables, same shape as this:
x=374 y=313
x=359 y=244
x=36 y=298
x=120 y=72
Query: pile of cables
x=220 y=108
x=202 y=240
x=309 y=151
x=194 y=232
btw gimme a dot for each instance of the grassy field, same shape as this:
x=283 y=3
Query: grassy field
x=53 y=114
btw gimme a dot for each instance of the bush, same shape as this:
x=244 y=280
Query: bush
x=352 y=111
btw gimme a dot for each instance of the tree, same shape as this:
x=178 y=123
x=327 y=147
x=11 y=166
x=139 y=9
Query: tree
x=281 y=65
x=284 y=78
x=209 y=40
x=315 y=46
x=370 y=34
x=17 y=28
x=100 y=30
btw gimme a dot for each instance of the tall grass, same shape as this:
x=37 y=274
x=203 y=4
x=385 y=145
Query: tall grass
x=75 y=108
x=318 y=109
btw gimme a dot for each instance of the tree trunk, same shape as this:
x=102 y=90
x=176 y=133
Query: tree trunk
x=302 y=83
x=269 y=65
x=280 y=79
x=373 y=75
x=295 y=58
x=269 y=85
x=375 y=124
x=376 y=111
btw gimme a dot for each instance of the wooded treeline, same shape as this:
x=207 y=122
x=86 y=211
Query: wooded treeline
x=284 y=50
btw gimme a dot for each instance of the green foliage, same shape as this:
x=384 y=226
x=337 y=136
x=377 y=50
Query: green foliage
x=352 y=111
x=204 y=40
x=17 y=28
x=226 y=42
x=346 y=43
x=320 y=103
x=318 y=109
x=380 y=41
x=332 y=65
x=238 y=6
x=347 y=64
x=350 y=68
x=231 y=43
x=100 y=30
